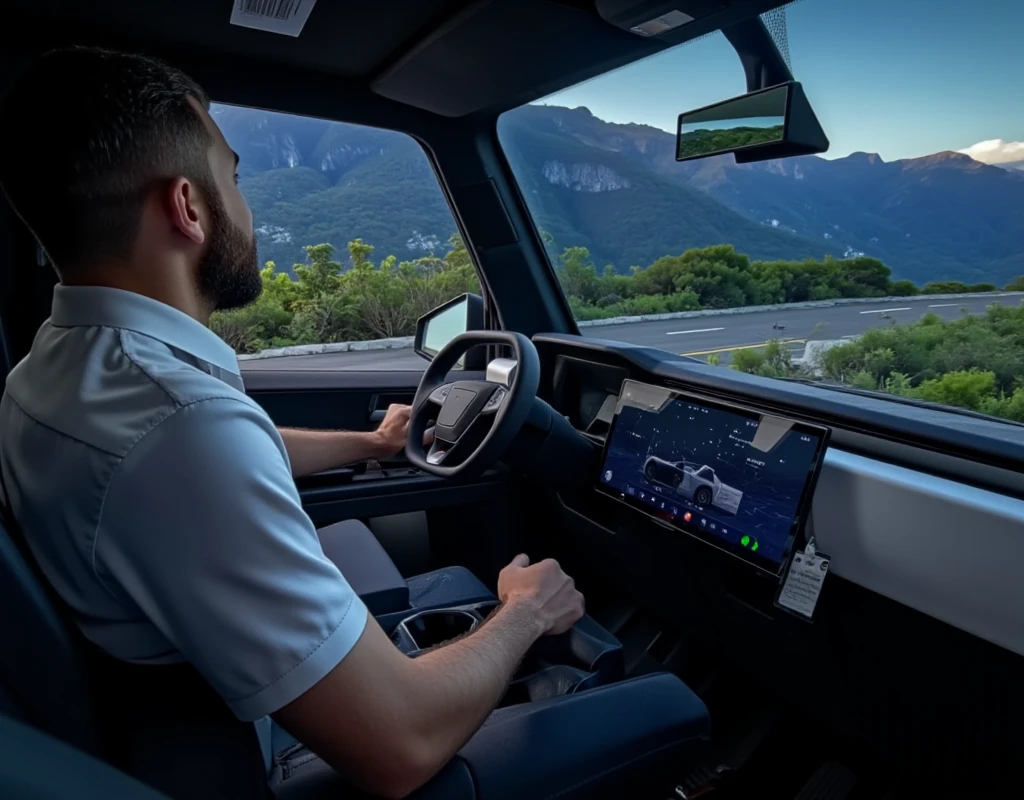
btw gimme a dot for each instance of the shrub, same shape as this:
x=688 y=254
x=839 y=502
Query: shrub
x=902 y=289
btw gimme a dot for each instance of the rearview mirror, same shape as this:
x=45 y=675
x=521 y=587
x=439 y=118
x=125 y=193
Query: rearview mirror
x=438 y=327
x=770 y=123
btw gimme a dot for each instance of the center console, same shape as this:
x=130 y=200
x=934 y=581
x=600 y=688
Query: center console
x=585 y=657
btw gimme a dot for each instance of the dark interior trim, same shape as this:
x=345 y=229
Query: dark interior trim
x=398 y=495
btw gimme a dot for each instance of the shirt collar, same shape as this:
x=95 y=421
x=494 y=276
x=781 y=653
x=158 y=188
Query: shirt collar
x=100 y=306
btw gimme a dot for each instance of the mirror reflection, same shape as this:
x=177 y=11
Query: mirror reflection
x=445 y=326
x=746 y=121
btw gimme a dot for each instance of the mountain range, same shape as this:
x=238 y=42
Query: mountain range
x=617 y=190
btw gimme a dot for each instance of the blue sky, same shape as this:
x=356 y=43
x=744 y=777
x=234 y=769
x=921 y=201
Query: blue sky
x=901 y=78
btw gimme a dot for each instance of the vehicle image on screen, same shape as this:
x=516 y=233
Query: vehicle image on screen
x=699 y=484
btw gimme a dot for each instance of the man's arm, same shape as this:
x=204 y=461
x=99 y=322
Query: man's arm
x=390 y=723
x=315 y=451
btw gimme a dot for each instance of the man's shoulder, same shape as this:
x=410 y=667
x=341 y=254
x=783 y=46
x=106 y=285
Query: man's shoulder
x=108 y=387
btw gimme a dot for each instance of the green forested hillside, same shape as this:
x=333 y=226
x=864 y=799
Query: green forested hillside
x=617 y=190
x=624 y=213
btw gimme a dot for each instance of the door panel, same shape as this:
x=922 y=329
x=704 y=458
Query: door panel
x=384 y=494
x=349 y=401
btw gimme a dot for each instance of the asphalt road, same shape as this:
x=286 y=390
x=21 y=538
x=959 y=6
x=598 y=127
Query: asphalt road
x=698 y=337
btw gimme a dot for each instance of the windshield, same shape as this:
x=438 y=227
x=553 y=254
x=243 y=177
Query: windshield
x=892 y=263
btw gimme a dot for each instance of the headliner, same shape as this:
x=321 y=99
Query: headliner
x=448 y=57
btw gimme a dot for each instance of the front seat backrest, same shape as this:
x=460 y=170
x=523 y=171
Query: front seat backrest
x=41 y=671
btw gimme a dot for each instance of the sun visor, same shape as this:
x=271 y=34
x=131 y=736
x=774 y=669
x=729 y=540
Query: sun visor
x=505 y=52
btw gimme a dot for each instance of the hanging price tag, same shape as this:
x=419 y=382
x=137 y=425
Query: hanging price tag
x=802 y=584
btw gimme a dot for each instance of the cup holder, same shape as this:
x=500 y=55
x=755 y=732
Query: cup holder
x=431 y=628
x=585 y=657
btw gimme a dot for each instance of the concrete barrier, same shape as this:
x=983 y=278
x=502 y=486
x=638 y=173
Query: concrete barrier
x=394 y=343
x=399 y=342
x=844 y=301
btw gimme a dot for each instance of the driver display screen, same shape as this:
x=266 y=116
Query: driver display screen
x=731 y=476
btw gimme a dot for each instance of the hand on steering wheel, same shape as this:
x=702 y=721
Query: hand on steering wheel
x=476 y=420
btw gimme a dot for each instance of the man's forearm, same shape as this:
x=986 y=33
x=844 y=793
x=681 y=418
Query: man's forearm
x=315 y=451
x=389 y=722
x=458 y=685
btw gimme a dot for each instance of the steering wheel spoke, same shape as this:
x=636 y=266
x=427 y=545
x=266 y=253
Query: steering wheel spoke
x=494 y=402
x=440 y=394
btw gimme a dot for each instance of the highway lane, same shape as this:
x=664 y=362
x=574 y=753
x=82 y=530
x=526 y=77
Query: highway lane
x=723 y=335
x=698 y=337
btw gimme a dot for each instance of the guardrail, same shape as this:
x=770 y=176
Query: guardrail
x=402 y=342
x=842 y=301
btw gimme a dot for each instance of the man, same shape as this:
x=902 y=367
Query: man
x=156 y=497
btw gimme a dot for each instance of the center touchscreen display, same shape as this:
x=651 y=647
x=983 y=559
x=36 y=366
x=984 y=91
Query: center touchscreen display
x=730 y=476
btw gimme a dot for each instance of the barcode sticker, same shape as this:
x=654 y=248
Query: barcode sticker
x=286 y=17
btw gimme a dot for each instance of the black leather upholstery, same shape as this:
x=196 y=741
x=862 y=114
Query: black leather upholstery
x=34 y=765
x=629 y=739
x=366 y=566
x=41 y=673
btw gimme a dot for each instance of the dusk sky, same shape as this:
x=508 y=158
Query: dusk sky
x=900 y=78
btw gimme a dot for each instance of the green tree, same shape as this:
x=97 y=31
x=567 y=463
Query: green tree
x=577 y=274
x=902 y=289
x=320 y=274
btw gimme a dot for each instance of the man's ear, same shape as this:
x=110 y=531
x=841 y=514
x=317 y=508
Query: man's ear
x=187 y=210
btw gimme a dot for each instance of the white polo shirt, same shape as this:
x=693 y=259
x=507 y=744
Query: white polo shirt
x=159 y=502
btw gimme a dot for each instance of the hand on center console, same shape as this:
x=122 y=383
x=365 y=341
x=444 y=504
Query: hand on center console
x=544 y=591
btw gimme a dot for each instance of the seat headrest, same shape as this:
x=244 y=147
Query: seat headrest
x=42 y=674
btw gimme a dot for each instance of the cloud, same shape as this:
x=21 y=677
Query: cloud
x=996 y=151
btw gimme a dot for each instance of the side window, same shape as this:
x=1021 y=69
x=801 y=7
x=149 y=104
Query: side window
x=354 y=237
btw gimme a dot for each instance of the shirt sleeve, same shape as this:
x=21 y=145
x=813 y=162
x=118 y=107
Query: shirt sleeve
x=203 y=529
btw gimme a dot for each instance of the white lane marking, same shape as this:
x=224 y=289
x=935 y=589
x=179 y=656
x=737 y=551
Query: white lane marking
x=943 y=305
x=885 y=310
x=697 y=330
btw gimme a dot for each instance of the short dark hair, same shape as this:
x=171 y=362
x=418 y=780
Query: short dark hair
x=84 y=135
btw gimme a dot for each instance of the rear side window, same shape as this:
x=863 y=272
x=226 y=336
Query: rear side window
x=355 y=241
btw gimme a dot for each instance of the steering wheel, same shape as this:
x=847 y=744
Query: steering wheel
x=476 y=420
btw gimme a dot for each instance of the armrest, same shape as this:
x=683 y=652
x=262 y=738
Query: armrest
x=628 y=739
x=620 y=737
x=366 y=566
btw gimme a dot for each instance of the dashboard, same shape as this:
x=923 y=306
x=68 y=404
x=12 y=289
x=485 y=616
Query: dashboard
x=903 y=506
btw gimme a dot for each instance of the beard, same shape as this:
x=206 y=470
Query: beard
x=228 y=273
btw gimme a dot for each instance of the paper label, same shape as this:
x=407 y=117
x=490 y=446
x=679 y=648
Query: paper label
x=803 y=583
x=286 y=17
